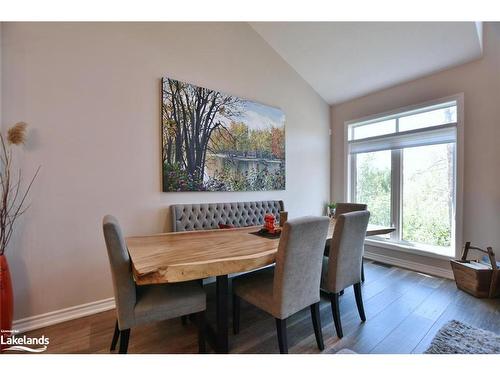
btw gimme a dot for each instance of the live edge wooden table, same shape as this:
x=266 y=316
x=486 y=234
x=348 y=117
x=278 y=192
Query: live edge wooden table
x=183 y=256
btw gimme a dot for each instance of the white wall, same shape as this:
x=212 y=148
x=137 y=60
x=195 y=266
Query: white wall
x=91 y=95
x=480 y=83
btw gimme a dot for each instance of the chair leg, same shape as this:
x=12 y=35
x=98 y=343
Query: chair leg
x=116 y=334
x=201 y=332
x=124 y=336
x=334 y=300
x=359 y=301
x=236 y=314
x=282 y=340
x=362 y=271
x=316 y=319
x=184 y=320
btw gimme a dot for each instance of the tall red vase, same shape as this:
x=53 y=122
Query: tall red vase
x=6 y=299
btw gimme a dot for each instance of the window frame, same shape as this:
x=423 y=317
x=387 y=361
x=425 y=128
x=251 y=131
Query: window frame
x=396 y=180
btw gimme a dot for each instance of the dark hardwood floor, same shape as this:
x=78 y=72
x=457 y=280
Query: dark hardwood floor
x=404 y=310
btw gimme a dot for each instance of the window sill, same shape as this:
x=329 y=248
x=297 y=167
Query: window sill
x=406 y=249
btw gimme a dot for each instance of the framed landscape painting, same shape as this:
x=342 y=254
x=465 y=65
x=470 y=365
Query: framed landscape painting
x=218 y=142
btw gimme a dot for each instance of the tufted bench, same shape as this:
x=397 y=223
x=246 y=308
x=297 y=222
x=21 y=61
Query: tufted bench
x=188 y=217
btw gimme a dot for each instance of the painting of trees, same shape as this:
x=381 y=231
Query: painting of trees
x=218 y=142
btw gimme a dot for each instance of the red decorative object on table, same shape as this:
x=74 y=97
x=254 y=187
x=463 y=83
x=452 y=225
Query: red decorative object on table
x=269 y=223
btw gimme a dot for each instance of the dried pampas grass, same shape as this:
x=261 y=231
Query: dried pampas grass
x=17 y=134
x=12 y=195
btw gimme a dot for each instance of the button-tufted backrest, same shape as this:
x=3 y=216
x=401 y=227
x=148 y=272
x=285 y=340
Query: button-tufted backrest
x=187 y=217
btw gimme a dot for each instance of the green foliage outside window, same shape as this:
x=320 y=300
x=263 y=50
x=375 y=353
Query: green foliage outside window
x=374 y=189
x=426 y=190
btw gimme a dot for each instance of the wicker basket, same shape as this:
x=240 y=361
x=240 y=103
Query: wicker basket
x=479 y=279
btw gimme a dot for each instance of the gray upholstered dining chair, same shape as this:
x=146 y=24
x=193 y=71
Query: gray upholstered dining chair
x=137 y=305
x=293 y=284
x=343 y=208
x=342 y=268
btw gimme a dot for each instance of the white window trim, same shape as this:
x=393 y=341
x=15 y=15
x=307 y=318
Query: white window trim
x=459 y=172
x=405 y=248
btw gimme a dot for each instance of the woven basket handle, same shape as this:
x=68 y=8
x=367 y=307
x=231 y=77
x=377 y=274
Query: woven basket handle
x=489 y=251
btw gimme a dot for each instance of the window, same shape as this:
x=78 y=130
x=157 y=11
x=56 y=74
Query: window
x=404 y=166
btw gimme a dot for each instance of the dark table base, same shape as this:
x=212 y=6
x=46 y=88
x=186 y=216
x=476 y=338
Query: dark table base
x=218 y=337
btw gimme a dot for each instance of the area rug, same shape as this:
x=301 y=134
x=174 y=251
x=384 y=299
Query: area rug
x=459 y=338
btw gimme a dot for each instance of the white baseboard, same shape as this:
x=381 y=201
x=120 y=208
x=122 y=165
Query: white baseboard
x=63 y=315
x=414 y=266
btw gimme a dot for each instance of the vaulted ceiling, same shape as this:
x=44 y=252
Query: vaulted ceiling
x=345 y=60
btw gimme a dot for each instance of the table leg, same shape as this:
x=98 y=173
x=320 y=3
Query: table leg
x=221 y=291
x=218 y=336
